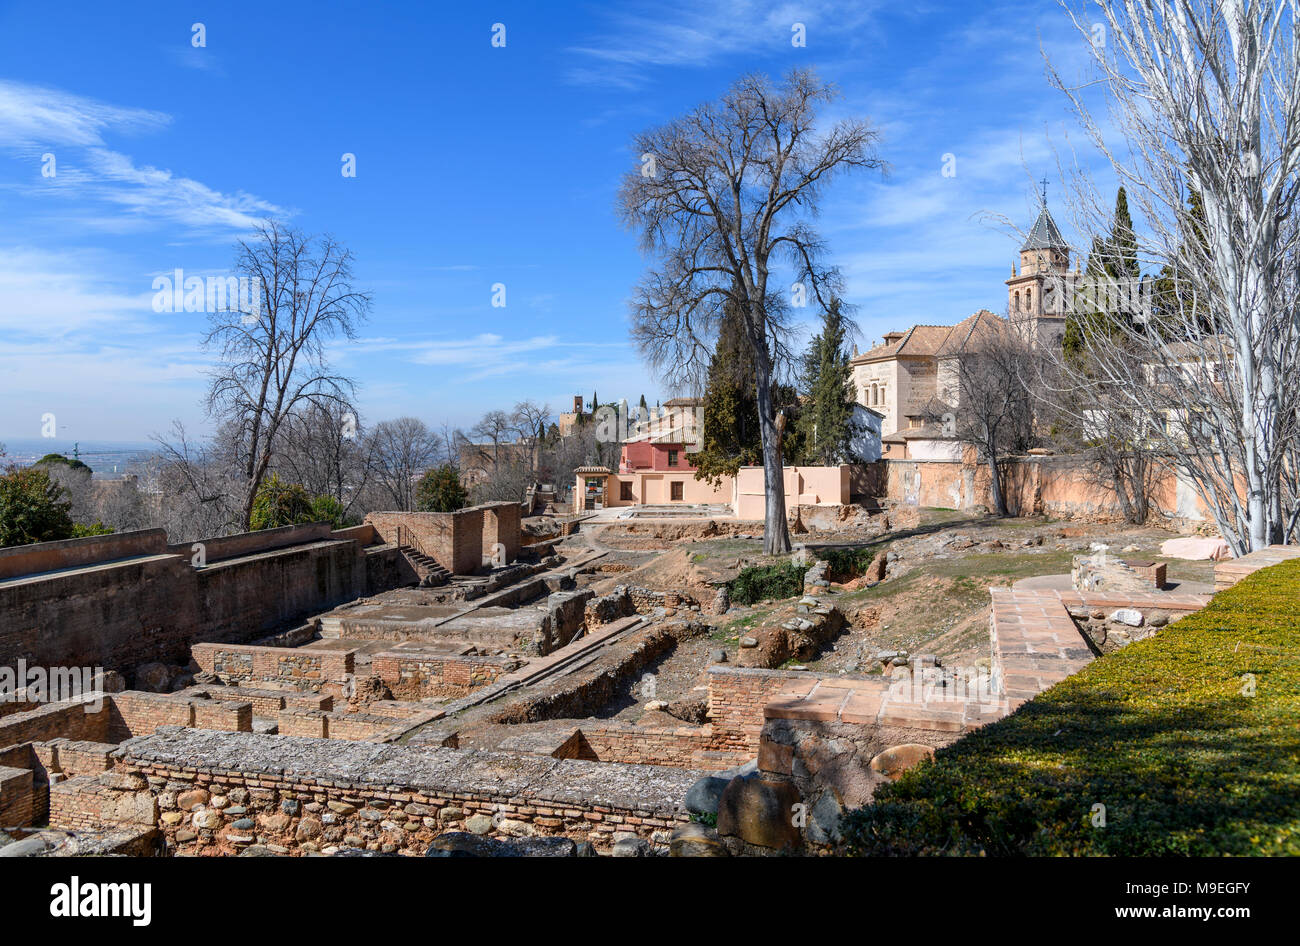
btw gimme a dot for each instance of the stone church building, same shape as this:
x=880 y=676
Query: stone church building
x=900 y=377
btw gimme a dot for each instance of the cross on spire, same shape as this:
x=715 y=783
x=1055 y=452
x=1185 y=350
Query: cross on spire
x=1044 y=183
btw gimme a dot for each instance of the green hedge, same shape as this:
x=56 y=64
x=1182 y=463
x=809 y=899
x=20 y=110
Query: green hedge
x=766 y=583
x=1161 y=733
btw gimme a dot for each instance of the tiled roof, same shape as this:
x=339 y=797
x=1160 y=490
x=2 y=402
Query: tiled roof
x=982 y=324
x=918 y=340
x=1044 y=235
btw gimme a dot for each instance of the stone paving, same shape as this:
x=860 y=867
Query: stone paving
x=1227 y=574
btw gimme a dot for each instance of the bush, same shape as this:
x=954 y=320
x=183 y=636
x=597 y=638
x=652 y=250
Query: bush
x=32 y=508
x=79 y=530
x=1163 y=733
x=440 y=490
x=847 y=564
x=766 y=583
x=327 y=509
x=280 y=504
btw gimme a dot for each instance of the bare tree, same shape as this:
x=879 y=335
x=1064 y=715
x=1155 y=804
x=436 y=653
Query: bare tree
x=400 y=451
x=985 y=400
x=1205 y=98
x=271 y=353
x=530 y=422
x=496 y=426
x=197 y=485
x=1092 y=422
x=723 y=196
x=324 y=450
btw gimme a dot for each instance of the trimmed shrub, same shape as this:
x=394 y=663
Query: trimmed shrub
x=1189 y=741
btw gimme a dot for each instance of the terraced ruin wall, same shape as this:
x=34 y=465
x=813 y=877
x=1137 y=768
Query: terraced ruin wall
x=214 y=793
x=120 y=601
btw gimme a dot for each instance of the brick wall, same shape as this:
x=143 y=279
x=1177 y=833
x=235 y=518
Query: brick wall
x=16 y=797
x=75 y=719
x=317 y=671
x=135 y=713
x=737 y=696
x=460 y=541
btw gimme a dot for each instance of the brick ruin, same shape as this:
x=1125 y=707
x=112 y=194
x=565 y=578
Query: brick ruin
x=325 y=695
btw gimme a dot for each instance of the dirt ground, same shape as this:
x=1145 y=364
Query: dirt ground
x=934 y=599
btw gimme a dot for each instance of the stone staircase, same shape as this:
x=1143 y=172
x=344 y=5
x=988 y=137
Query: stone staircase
x=426 y=567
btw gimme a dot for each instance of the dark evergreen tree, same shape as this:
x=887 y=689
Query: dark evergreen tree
x=826 y=414
x=731 y=435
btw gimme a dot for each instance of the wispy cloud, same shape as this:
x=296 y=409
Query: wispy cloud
x=33 y=116
x=634 y=41
x=75 y=130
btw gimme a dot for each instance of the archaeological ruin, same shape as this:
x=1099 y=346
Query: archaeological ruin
x=464 y=683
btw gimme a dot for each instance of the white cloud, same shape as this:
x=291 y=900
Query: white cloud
x=33 y=116
x=114 y=193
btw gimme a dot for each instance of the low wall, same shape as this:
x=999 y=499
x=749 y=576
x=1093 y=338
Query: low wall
x=804 y=485
x=73 y=553
x=1056 y=486
x=298 y=795
x=413 y=675
x=315 y=671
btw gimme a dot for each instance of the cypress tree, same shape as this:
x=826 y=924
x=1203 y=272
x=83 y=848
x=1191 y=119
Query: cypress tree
x=826 y=416
x=731 y=435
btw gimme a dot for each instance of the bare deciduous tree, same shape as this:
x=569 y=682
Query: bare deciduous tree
x=985 y=399
x=530 y=422
x=1205 y=98
x=400 y=451
x=723 y=197
x=271 y=354
x=496 y=426
x=324 y=450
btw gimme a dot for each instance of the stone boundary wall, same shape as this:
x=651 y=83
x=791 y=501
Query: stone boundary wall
x=73 y=553
x=1054 y=486
x=119 y=601
x=316 y=671
x=227 y=547
x=297 y=795
x=412 y=675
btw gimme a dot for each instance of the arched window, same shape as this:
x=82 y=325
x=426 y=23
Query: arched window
x=1017 y=306
x=875 y=395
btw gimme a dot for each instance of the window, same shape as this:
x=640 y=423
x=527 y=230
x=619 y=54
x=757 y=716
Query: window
x=676 y=493
x=672 y=458
x=875 y=395
x=625 y=492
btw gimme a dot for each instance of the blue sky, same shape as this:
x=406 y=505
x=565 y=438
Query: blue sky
x=475 y=165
